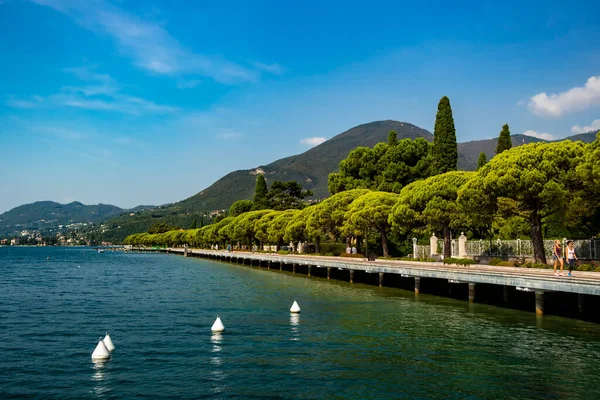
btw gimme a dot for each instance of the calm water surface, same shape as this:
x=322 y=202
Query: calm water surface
x=351 y=341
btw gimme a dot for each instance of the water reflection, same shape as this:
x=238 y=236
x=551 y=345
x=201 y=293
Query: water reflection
x=217 y=375
x=295 y=325
x=100 y=377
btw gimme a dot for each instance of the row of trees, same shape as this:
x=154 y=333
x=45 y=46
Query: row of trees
x=538 y=181
x=406 y=188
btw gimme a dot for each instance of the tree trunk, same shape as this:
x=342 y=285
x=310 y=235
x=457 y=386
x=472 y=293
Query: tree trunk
x=348 y=241
x=318 y=244
x=384 y=244
x=535 y=221
x=447 y=242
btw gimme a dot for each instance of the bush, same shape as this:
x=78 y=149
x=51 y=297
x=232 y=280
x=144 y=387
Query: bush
x=585 y=267
x=334 y=249
x=459 y=261
x=507 y=264
x=597 y=269
x=284 y=252
x=495 y=261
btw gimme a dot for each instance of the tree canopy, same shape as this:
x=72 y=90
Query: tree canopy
x=539 y=177
x=445 y=149
x=481 y=161
x=384 y=167
x=240 y=207
x=504 y=140
x=286 y=195
x=433 y=203
x=371 y=212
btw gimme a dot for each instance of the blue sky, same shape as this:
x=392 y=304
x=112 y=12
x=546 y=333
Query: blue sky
x=147 y=102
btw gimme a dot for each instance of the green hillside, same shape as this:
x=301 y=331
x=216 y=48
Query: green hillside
x=310 y=168
x=46 y=215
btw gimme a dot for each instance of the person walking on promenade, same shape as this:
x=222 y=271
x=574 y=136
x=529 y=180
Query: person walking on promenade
x=557 y=256
x=571 y=256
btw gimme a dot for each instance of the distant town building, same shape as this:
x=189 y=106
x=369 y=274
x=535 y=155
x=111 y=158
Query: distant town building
x=14 y=242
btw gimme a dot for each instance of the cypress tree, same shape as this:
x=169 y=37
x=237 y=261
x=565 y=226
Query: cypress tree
x=482 y=160
x=261 y=201
x=504 y=140
x=193 y=225
x=445 y=149
x=392 y=138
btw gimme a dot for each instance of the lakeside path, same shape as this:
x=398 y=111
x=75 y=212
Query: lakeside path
x=525 y=279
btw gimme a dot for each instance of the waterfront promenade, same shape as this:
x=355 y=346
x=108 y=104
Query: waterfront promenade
x=481 y=280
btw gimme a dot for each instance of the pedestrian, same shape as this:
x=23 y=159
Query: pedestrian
x=557 y=256
x=571 y=256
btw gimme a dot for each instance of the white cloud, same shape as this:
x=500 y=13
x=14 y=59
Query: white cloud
x=595 y=125
x=188 y=84
x=539 y=135
x=274 y=68
x=574 y=99
x=313 y=141
x=150 y=45
x=102 y=94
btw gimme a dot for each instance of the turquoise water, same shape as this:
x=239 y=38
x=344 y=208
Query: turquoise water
x=351 y=341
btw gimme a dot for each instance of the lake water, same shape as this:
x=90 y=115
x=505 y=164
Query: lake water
x=350 y=341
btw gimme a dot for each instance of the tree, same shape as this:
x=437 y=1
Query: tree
x=161 y=227
x=329 y=215
x=481 y=161
x=384 y=167
x=243 y=228
x=261 y=226
x=432 y=202
x=260 y=193
x=278 y=226
x=371 y=212
x=240 y=207
x=392 y=138
x=504 y=140
x=540 y=177
x=445 y=149
x=287 y=195
x=193 y=225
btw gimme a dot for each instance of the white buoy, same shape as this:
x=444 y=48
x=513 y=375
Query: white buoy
x=101 y=352
x=295 y=309
x=108 y=343
x=218 y=325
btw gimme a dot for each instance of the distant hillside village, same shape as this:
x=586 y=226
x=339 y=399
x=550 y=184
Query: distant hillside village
x=76 y=234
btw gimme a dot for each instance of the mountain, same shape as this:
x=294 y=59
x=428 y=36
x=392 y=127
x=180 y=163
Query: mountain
x=312 y=167
x=48 y=215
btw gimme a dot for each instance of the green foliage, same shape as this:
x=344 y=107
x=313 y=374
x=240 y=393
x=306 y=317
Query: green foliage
x=458 y=261
x=481 y=161
x=504 y=140
x=495 y=261
x=370 y=212
x=161 y=227
x=286 y=195
x=329 y=215
x=384 y=167
x=432 y=203
x=243 y=228
x=392 y=138
x=261 y=226
x=260 y=193
x=240 y=207
x=194 y=224
x=277 y=228
x=539 y=177
x=445 y=149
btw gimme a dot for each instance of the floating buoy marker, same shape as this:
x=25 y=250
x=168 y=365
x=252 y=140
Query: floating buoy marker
x=218 y=325
x=108 y=343
x=101 y=352
x=295 y=309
